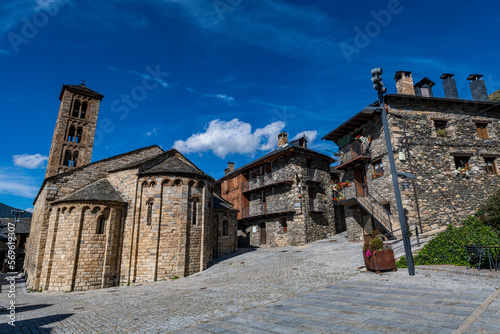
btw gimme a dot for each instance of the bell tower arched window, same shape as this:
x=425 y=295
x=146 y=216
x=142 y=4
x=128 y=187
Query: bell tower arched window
x=83 y=112
x=70 y=158
x=78 y=138
x=76 y=108
x=71 y=133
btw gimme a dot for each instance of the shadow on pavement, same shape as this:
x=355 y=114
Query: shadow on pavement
x=29 y=325
x=25 y=308
x=239 y=252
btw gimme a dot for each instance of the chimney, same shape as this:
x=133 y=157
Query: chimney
x=404 y=83
x=424 y=87
x=282 y=139
x=230 y=168
x=449 y=86
x=478 y=88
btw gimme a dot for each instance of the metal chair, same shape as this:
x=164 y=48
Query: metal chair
x=474 y=252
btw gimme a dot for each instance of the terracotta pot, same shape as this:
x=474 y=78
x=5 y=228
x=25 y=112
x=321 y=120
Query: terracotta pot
x=380 y=261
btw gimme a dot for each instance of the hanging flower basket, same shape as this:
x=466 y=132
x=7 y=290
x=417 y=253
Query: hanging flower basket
x=342 y=185
x=363 y=140
x=462 y=171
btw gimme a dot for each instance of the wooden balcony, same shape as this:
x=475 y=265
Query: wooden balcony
x=352 y=155
x=266 y=210
x=265 y=181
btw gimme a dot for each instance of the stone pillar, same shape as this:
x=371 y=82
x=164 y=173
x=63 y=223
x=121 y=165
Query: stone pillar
x=354 y=225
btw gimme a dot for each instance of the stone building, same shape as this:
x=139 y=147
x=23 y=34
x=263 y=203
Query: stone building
x=284 y=198
x=145 y=215
x=451 y=145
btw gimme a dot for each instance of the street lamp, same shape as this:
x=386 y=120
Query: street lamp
x=378 y=85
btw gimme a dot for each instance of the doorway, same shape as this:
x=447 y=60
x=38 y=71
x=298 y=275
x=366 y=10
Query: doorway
x=263 y=234
x=360 y=178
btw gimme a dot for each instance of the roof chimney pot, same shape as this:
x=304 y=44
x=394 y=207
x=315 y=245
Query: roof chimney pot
x=404 y=83
x=230 y=168
x=282 y=139
x=478 y=88
x=449 y=86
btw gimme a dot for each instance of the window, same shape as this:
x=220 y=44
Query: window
x=441 y=127
x=76 y=109
x=71 y=133
x=462 y=162
x=378 y=169
x=490 y=165
x=194 y=209
x=481 y=130
x=149 y=213
x=84 y=110
x=284 y=225
x=225 y=228
x=78 y=138
x=387 y=206
x=101 y=224
x=68 y=156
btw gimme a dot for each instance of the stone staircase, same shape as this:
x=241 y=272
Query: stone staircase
x=398 y=245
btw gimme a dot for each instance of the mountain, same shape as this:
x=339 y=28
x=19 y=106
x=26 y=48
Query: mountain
x=495 y=97
x=5 y=212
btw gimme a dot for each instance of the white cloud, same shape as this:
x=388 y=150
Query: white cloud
x=147 y=76
x=222 y=97
x=235 y=136
x=310 y=135
x=29 y=210
x=152 y=133
x=13 y=183
x=30 y=161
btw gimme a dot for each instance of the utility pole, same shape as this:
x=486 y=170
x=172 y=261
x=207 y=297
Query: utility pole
x=381 y=90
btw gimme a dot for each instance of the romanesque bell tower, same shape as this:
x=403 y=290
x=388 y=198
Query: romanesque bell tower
x=75 y=129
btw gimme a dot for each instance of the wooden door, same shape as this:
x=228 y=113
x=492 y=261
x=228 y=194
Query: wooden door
x=263 y=234
x=360 y=178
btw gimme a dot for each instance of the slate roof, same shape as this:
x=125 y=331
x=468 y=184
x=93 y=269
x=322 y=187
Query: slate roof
x=100 y=190
x=220 y=203
x=272 y=154
x=170 y=162
x=81 y=88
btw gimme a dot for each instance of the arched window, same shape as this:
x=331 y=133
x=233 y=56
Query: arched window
x=149 y=213
x=84 y=110
x=194 y=210
x=71 y=133
x=78 y=138
x=67 y=158
x=101 y=224
x=76 y=108
x=225 y=228
x=75 y=159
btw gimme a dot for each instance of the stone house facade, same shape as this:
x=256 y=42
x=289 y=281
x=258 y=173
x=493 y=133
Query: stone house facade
x=283 y=198
x=145 y=215
x=451 y=145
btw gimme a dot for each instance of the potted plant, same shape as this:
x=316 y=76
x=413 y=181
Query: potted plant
x=376 y=175
x=378 y=257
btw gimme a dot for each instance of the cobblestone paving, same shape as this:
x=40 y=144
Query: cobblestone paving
x=319 y=287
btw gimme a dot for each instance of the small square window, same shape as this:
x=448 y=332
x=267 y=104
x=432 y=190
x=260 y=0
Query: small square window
x=462 y=162
x=378 y=169
x=481 y=130
x=441 y=128
x=490 y=165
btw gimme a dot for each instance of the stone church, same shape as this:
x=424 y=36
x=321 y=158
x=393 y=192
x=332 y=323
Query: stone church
x=140 y=216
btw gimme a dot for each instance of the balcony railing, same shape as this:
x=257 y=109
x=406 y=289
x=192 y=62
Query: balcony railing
x=352 y=151
x=267 y=179
x=266 y=209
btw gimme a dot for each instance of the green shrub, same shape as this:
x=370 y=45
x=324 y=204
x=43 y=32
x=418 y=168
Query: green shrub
x=448 y=247
x=489 y=213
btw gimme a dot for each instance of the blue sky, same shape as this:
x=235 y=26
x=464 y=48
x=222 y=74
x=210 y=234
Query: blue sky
x=223 y=77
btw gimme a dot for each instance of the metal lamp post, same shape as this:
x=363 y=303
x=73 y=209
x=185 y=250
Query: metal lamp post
x=381 y=90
